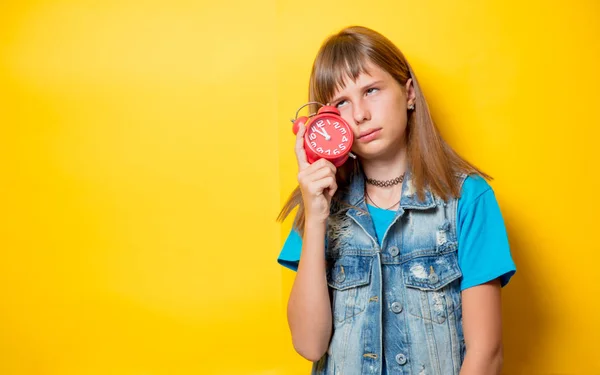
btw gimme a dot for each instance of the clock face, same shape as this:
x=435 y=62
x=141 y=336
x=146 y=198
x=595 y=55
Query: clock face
x=329 y=137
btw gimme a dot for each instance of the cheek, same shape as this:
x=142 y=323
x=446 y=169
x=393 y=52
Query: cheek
x=397 y=115
x=401 y=118
x=347 y=116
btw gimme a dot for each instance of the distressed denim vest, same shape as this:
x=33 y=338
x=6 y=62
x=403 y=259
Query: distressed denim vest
x=399 y=302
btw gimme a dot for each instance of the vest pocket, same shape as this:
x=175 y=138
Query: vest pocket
x=433 y=286
x=349 y=278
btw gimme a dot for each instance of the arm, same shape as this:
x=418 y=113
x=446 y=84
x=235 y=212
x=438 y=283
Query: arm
x=482 y=325
x=309 y=309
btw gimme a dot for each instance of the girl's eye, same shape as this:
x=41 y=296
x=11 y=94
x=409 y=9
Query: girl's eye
x=370 y=91
x=340 y=104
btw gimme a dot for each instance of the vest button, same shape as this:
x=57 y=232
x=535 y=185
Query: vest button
x=340 y=276
x=394 y=251
x=396 y=307
x=401 y=359
x=433 y=278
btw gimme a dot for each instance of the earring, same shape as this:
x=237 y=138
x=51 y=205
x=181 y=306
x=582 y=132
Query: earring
x=411 y=107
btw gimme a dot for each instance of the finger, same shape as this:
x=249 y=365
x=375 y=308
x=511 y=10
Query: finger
x=331 y=190
x=300 y=152
x=317 y=187
x=323 y=163
x=308 y=176
x=318 y=174
x=315 y=171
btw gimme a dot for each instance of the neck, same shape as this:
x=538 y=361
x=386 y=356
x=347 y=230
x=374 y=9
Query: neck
x=386 y=168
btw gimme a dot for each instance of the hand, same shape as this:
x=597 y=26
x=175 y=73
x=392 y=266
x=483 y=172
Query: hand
x=317 y=182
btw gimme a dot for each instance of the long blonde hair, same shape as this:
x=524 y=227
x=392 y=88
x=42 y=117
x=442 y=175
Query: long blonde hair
x=432 y=162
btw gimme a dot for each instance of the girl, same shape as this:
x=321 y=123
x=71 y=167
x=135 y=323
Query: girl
x=400 y=253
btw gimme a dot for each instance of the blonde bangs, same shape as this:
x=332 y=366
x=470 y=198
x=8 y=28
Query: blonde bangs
x=340 y=59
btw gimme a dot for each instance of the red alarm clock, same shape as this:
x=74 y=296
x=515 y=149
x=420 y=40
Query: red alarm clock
x=328 y=135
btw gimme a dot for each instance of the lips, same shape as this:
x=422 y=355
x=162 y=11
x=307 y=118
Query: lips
x=369 y=135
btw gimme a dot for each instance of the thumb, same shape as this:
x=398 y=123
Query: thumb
x=331 y=192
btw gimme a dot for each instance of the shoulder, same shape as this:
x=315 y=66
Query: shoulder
x=473 y=187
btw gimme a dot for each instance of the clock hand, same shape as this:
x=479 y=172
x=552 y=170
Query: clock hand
x=327 y=137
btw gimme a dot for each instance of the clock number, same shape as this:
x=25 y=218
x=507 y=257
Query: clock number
x=343 y=131
x=328 y=152
x=314 y=144
x=342 y=146
x=336 y=125
x=320 y=149
x=336 y=152
x=344 y=139
x=320 y=123
x=312 y=136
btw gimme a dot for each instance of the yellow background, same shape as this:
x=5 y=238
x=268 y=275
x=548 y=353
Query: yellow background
x=146 y=150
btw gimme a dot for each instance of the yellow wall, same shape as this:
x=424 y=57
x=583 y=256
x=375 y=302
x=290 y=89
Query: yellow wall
x=146 y=150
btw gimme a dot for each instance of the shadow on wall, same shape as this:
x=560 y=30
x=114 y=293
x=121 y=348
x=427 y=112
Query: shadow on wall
x=525 y=325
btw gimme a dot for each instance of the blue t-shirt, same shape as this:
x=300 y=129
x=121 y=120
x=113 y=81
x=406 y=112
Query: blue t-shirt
x=483 y=248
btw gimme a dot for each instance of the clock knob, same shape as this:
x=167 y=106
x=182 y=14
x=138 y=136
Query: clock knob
x=297 y=122
x=329 y=109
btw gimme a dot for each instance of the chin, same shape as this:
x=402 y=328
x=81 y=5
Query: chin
x=376 y=149
x=372 y=150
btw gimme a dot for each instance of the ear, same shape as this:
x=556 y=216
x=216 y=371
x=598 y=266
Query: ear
x=409 y=89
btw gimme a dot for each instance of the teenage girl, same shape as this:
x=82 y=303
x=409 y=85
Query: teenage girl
x=400 y=253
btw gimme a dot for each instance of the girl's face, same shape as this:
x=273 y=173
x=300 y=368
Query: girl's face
x=375 y=106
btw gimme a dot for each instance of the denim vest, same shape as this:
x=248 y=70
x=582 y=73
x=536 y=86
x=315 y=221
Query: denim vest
x=400 y=302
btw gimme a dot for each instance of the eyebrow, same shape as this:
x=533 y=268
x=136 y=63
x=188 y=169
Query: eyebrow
x=374 y=83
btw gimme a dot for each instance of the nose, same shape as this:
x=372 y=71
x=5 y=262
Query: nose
x=360 y=112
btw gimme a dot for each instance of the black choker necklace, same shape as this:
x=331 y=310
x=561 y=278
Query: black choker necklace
x=386 y=183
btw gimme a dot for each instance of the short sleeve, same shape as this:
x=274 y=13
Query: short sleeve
x=290 y=253
x=483 y=247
